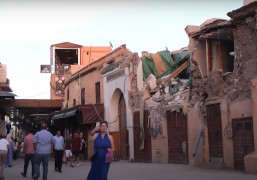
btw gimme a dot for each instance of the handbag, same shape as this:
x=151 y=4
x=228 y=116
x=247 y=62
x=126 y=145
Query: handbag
x=94 y=156
x=64 y=158
x=109 y=157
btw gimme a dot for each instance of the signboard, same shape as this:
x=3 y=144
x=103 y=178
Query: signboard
x=45 y=69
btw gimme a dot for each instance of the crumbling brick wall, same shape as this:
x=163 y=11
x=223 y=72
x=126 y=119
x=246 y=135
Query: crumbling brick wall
x=230 y=85
x=245 y=64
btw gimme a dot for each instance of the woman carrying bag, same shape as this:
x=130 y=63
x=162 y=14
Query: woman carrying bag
x=103 y=143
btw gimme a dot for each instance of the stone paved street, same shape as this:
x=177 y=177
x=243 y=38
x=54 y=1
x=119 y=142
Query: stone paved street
x=123 y=170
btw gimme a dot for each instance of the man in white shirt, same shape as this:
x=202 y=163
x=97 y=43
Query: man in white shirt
x=58 y=144
x=4 y=146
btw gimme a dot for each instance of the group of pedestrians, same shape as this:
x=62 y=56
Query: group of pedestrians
x=39 y=147
x=4 y=148
x=14 y=148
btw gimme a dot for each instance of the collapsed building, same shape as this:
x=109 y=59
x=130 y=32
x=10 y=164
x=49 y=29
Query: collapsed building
x=204 y=113
x=221 y=102
x=157 y=104
x=195 y=105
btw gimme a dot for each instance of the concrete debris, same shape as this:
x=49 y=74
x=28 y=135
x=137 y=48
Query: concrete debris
x=150 y=103
x=134 y=100
x=151 y=80
x=167 y=101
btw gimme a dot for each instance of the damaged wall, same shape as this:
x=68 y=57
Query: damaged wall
x=245 y=58
x=159 y=98
x=120 y=82
x=228 y=86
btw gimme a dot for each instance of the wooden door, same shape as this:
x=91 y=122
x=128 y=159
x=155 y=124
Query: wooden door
x=243 y=140
x=116 y=139
x=145 y=154
x=215 y=133
x=177 y=137
x=124 y=145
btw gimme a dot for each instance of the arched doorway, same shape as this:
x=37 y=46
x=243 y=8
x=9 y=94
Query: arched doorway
x=118 y=120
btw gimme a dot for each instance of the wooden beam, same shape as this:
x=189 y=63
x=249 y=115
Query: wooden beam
x=26 y=103
x=221 y=55
x=175 y=73
x=209 y=56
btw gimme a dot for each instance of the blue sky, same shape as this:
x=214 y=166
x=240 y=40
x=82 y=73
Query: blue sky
x=30 y=27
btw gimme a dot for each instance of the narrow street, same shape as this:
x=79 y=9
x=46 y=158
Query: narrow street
x=123 y=170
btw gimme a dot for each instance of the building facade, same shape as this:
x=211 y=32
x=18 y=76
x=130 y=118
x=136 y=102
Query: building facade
x=87 y=99
x=67 y=58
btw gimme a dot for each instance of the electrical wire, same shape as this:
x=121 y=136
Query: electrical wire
x=37 y=94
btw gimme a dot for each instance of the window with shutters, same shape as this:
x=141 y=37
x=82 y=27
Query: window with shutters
x=97 y=92
x=83 y=96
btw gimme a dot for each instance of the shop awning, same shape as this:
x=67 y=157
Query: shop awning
x=80 y=114
x=6 y=94
x=65 y=115
x=92 y=113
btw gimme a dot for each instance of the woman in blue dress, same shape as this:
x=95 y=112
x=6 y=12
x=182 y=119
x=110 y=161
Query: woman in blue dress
x=103 y=142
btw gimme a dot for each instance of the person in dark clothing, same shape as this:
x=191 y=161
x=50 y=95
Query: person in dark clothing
x=58 y=144
x=75 y=148
x=68 y=149
x=83 y=148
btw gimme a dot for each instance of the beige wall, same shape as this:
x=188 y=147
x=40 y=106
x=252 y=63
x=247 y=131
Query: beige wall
x=160 y=144
x=194 y=123
x=254 y=109
x=215 y=55
x=200 y=55
x=226 y=123
x=241 y=108
x=250 y=160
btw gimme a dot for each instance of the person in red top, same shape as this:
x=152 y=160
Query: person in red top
x=29 y=152
x=75 y=148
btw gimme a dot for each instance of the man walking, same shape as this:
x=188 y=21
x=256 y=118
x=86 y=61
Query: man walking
x=68 y=149
x=29 y=153
x=75 y=148
x=58 y=144
x=42 y=143
x=4 y=146
x=83 y=148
